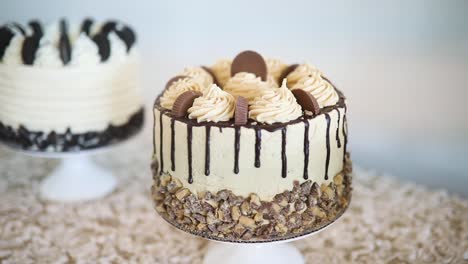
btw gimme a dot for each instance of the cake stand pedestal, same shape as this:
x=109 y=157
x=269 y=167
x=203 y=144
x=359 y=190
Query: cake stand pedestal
x=274 y=252
x=77 y=178
x=271 y=253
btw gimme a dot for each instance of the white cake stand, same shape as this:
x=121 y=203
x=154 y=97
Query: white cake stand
x=77 y=177
x=274 y=252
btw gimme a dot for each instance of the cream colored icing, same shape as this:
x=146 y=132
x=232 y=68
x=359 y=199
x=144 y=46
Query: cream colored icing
x=84 y=52
x=323 y=91
x=275 y=105
x=200 y=74
x=222 y=71
x=81 y=98
x=246 y=85
x=275 y=68
x=12 y=54
x=301 y=71
x=265 y=181
x=117 y=47
x=215 y=105
x=177 y=88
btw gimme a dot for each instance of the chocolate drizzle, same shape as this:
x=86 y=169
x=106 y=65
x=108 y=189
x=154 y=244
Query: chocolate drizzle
x=258 y=146
x=338 y=141
x=258 y=127
x=284 y=158
x=172 y=144
x=306 y=149
x=236 y=149
x=161 y=158
x=207 y=150
x=327 y=162
x=189 y=150
x=345 y=132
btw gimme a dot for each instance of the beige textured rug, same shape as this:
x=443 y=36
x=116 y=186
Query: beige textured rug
x=388 y=222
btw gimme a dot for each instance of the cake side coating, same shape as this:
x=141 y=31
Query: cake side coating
x=253 y=158
x=224 y=216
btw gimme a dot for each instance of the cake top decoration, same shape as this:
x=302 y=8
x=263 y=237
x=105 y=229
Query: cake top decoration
x=249 y=61
x=63 y=44
x=251 y=86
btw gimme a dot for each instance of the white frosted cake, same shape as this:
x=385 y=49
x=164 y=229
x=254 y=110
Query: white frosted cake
x=67 y=87
x=251 y=150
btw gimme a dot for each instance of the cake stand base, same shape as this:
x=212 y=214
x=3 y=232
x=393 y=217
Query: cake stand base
x=77 y=178
x=271 y=253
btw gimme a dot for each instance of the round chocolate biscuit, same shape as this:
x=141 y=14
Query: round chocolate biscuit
x=64 y=43
x=250 y=61
x=242 y=111
x=127 y=35
x=86 y=26
x=307 y=101
x=184 y=102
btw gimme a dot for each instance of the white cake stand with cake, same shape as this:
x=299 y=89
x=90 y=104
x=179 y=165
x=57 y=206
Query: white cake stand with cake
x=253 y=153
x=69 y=91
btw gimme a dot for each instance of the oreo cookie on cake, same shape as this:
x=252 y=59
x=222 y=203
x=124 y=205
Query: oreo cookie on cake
x=68 y=86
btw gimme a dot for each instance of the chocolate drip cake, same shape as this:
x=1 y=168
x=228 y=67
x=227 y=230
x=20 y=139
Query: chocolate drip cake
x=68 y=87
x=250 y=150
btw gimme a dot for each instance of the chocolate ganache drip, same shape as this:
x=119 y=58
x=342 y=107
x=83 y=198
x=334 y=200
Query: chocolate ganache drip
x=258 y=146
x=306 y=149
x=327 y=162
x=345 y=132
x=189 y=150
x=161 y=158
x=207 y=150
x=172 y=144
x=284 y=158
x=236 y=149
x=338 y=141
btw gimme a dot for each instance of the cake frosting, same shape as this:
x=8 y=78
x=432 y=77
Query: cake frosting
x=246 y=85
x=215 y=105
x=61 y=79
x=251 y=160
x=275 y=105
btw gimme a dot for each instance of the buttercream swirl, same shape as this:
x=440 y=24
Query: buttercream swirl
x=177 y=88
x=301 y=71
x=222 y=70
x=85 y=52
x=215 y=105
x=12 y=54
x=275 y=105
x=323 y=91
x=118 y=48
x=246 y=85
x=275 y=68
x=200 y=74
